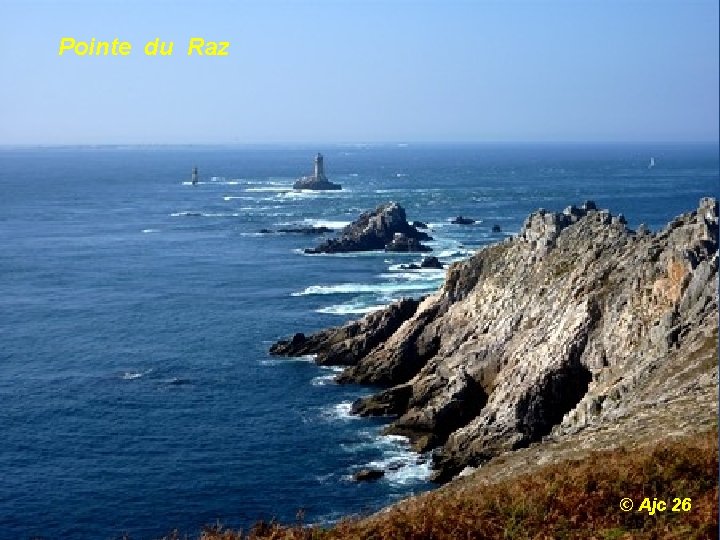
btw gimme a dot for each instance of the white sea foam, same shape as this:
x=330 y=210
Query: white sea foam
x=340 y=411
x=349 y=255
x=334 y=369
x=350 y=309
x=308 y=358
x=324 y=380
x=150 y=230
x=423 y=274
x=400 y=463
x=132 y=375
x=205 y=214
x=332 y=224
x=355 y=288
x=263 y=189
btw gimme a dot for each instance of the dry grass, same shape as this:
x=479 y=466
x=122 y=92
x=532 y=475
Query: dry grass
x=576 y=499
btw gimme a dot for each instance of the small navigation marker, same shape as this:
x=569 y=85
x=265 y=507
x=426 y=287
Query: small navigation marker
x=194 y=178
x=652 y=163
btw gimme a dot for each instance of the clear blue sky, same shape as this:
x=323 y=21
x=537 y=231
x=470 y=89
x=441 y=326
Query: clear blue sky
x=363 y=71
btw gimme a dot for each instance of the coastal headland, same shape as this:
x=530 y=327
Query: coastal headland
x=575 y=337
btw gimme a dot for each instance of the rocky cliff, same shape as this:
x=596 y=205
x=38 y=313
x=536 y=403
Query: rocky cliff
x=577 y=324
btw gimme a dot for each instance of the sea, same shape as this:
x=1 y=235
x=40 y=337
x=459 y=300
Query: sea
x=137 y=395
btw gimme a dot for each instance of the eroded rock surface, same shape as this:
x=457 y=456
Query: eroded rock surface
x=375 y=230
x=572 y=326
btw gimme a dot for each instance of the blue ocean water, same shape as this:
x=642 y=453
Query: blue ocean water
x=136 y=393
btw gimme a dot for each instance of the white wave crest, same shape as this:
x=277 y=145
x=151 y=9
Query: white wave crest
x=132 y=375
x=355 y=288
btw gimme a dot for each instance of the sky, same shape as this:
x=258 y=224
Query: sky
x=338 y=71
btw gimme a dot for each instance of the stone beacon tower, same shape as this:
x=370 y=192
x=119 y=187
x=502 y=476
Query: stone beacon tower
x=194 y=178
x=318 y=181
x=319 y=168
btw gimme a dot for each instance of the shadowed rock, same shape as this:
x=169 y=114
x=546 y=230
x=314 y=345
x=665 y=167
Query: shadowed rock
x=374 y=230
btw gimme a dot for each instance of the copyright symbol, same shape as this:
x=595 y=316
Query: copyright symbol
x=626 y=505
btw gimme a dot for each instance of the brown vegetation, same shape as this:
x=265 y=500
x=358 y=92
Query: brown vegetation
x=574 y=499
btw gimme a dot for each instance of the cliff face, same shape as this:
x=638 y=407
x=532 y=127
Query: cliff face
x=576 y=323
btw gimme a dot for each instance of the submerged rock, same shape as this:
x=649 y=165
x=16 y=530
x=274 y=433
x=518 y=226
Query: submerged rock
x=496 y=228
x=431 y=262
x=368 y=475
x=306 y=230
x=462 y=221
x=374 y=230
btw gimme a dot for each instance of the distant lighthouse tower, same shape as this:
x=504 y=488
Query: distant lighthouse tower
x=319 y=168
x=194 y=178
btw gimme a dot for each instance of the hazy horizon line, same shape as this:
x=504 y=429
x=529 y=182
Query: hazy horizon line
x=398 y=143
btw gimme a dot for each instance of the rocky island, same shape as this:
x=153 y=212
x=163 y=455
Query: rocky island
x=318 y=181
x=578 y=332
x=386 y=227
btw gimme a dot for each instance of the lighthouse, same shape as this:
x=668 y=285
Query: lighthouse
x=319 y=168
x=194 y=178
x=318 y=180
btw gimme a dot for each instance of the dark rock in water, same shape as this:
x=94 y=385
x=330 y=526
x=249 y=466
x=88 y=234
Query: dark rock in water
x=462 y=221
x=402 y=243
x=265 y=231
x=176 y=381
x=431 y=262
x=306 y=230
x=372 y=231
x=496 y=228
x=411 y=266
x=192 y=214
x=368 y=475
x=316 y=185
x=318 y=181
x=419 y=225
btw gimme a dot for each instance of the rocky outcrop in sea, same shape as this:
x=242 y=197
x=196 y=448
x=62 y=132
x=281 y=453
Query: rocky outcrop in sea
x=576 y=324
x=386 y=227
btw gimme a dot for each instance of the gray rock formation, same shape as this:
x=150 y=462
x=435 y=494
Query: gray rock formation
x=402 y=243
x=375 y=230
x=578 y=324
x=431 y=262
x=368 y=475
x=459 y=220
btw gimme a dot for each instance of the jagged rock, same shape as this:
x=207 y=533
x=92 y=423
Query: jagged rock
x=419 y=225
x=265 y=231
x=496 y=228
x=367 y=475
x=431 y=262
x=373 y=230
x=402 y=243
x=459 y=220
x=345 y=345
x=575 y=322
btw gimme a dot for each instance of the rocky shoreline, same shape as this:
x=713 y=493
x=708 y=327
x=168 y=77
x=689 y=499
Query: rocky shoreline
x=572 y=325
